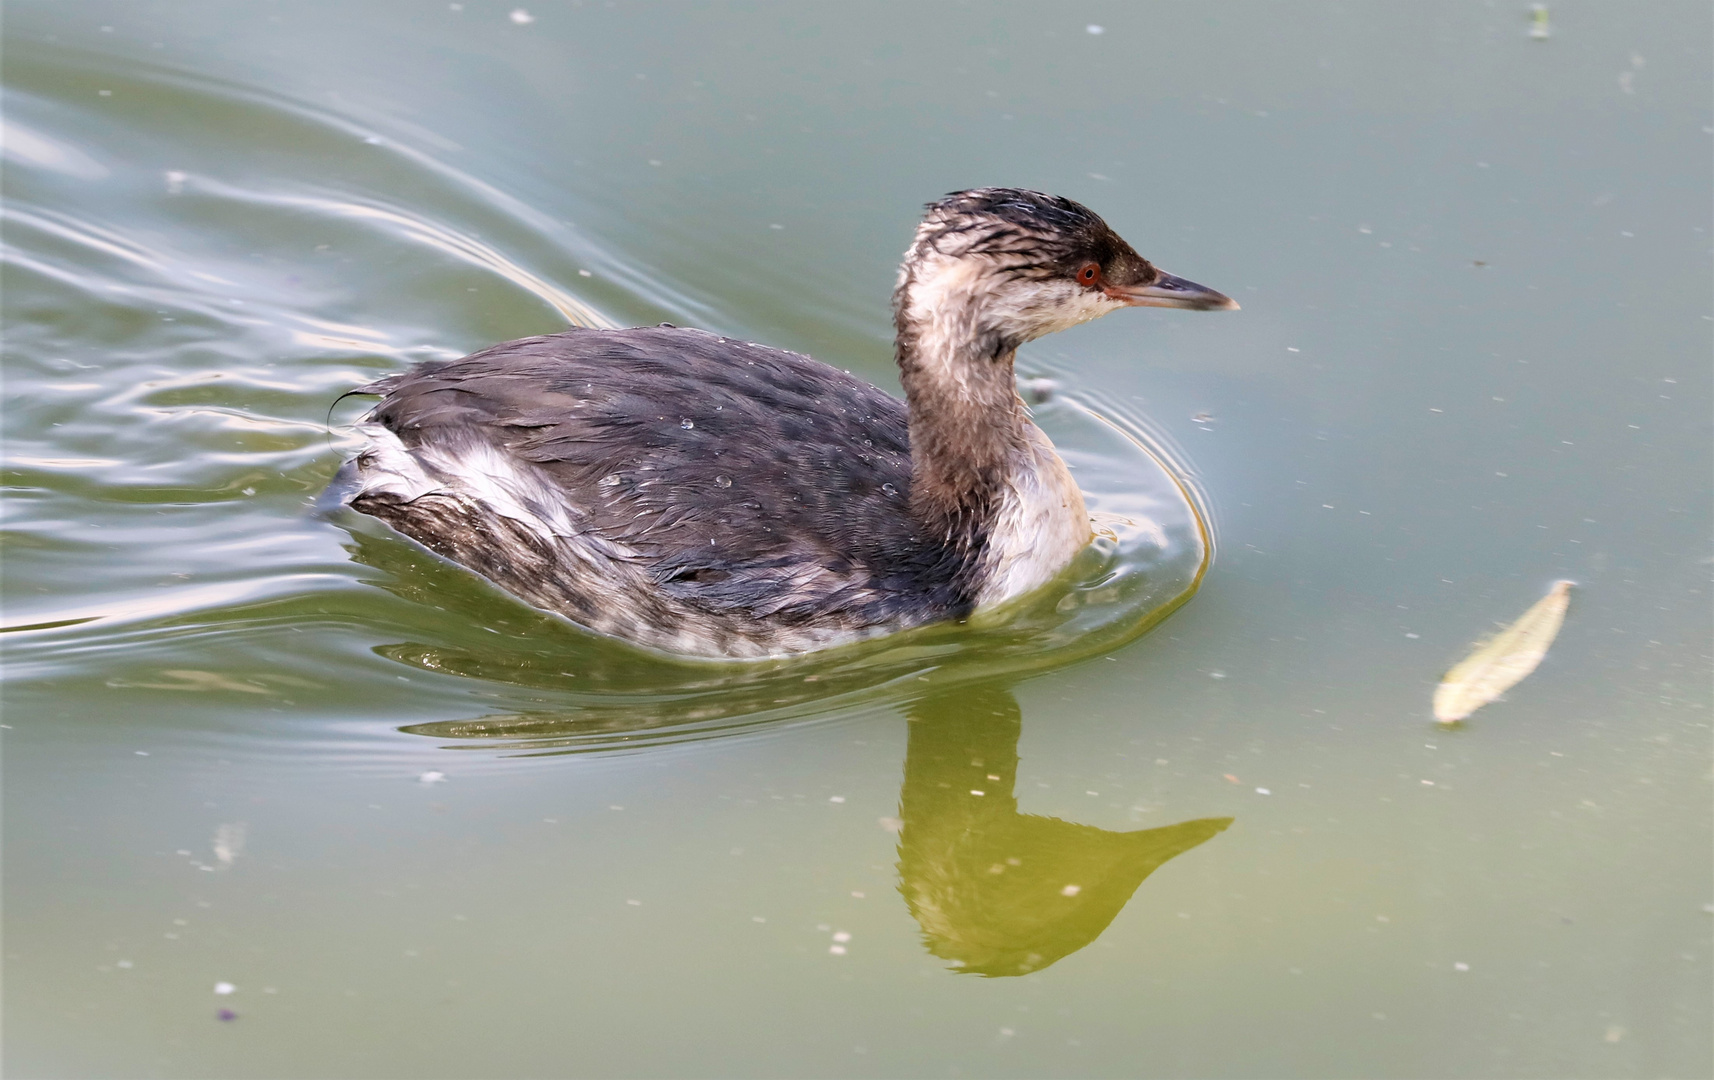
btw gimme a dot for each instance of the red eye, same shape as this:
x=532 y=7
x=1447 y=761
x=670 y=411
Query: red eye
x=1088 y=274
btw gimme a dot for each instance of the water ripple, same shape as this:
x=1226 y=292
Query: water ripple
x=190 y=285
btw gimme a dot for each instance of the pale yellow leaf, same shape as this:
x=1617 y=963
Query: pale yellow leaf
x=1501 y=663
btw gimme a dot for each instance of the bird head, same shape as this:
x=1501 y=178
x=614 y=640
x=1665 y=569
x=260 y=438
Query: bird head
x=997 y=267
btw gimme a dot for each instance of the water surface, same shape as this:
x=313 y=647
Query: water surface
x=422 y=830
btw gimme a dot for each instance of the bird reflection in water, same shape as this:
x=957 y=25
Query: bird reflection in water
x=997 y=892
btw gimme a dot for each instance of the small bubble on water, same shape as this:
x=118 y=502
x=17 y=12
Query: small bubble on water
x=1039 y=390
x=1539 y=24
x=521 y=17
x=224 y=988
x=1095 y=29
x=1071 y=890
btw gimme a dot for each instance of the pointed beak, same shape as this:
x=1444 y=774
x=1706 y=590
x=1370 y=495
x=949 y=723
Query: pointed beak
x=1173 y=292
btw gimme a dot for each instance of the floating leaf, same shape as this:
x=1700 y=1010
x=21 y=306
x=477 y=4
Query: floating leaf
x=1503 y=662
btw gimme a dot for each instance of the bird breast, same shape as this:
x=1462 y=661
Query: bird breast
x=1041 y=525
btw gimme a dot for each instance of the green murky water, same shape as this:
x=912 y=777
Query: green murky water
x=416 y=829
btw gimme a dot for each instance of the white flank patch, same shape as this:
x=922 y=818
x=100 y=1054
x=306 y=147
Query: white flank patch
x=389 y=469
x=476 y=472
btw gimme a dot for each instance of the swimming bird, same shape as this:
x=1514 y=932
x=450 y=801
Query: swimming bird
x=709 y=497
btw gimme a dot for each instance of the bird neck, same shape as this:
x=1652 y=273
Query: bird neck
x=967 y=425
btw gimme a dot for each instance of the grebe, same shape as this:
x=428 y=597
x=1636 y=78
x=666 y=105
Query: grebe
x=716 y=498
